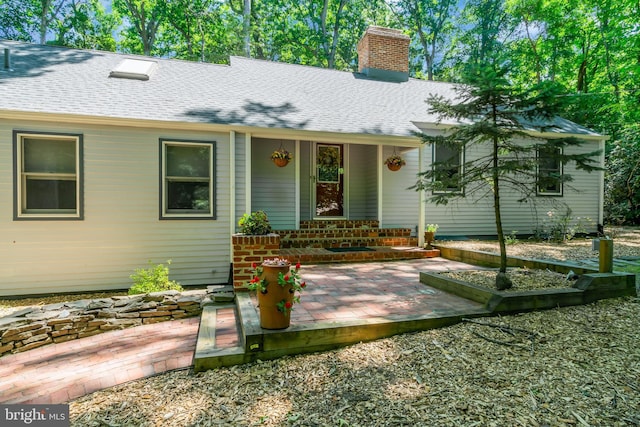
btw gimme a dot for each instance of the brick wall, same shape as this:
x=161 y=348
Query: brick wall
x=384 y=49
x=249 y=249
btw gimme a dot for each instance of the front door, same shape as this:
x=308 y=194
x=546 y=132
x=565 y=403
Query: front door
x=329 y=197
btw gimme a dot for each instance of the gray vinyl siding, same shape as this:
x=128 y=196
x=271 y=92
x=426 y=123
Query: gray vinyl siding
x=400 y=205
x=121 y=230
x=362 y=181
x=273 y=188
x=475 y=217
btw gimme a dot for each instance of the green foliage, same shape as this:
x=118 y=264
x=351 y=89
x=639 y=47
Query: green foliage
x=430 y=25
x=86 y=25
x=622 y=181
x=145 y=19
x=495 y=114
x=255 y=223
x=432 y=228
x=511 y=239
x=153 y=279
x=562 y=227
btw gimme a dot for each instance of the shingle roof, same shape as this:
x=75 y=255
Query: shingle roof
x=248 y=92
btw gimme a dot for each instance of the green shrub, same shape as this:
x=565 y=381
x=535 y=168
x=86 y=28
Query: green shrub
x=511 y=239
x=255 y=223
x=153 y=279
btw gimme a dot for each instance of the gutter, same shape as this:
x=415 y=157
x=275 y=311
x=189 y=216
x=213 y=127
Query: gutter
x=338 y=137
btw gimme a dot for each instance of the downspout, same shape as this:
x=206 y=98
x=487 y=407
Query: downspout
x=380 y=170
x=422 y=205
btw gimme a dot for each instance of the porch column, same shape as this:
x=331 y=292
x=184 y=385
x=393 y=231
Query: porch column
x=232 y=186
x=380 y=163
x=297 y=190
x=247 y=172
x=422 y=205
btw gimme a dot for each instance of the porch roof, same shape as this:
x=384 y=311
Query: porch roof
x=247 y=93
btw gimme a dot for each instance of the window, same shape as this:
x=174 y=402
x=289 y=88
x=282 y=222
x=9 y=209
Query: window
x=187 y=179
x=549 y=171
x=48 y=176
x=447 y=168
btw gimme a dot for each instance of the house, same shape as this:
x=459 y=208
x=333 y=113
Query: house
x=109 y=160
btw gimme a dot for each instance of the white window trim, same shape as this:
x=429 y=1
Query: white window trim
x=543 y=193
x=20 y=177
x=461 y=159
x=163 y=180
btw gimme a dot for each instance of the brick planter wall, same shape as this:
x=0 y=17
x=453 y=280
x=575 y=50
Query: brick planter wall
x=54 y=323
x=248 y=249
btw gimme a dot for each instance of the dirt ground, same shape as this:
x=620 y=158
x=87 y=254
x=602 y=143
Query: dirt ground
x=573 y=366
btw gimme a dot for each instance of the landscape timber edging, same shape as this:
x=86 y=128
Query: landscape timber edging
x=488 y=259
x=588 y=288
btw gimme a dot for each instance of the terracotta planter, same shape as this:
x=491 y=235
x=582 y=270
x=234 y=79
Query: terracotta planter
x=280 y=162
x=429 y=236
x=393 y=167
x=270 y=316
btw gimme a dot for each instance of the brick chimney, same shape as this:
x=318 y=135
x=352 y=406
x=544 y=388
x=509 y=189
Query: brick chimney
x=383 y=53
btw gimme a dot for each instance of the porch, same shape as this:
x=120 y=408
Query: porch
x=338 y=241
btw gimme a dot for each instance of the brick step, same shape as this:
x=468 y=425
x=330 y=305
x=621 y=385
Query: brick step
x=380 y=253
x=340 y=224
x=347 y=242
x=346 y=235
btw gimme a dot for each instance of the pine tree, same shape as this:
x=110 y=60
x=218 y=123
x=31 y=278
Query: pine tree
x=516 y=125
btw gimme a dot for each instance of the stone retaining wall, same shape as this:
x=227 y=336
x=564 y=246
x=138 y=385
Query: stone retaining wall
x=55 y=323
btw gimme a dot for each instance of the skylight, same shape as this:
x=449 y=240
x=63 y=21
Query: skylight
x=136 y=69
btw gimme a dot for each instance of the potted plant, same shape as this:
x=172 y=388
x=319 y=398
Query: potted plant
x=430 y=234
x=276 y=283
x=281 y=157
x=394 y=162
x=255 y=223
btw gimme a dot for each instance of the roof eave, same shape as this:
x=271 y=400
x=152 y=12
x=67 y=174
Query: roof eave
x=537 y=134
x=266 y=132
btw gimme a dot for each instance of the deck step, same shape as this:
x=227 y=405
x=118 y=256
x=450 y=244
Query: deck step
x=219 y=343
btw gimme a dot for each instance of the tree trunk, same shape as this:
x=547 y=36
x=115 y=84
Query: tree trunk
x=502 y=281
x=246 y=28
